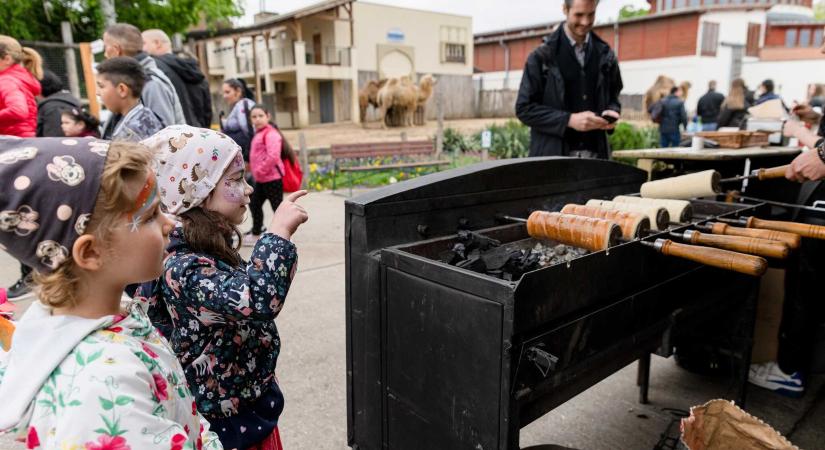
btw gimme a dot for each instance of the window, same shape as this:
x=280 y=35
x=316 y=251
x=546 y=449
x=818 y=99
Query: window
x=694 y=3
x=710 y=38
x=818 y=37
x=453 y=44
x=752 y=46
x=805 y=37
x=454 y=53
x=679 y=3
x=790 y=38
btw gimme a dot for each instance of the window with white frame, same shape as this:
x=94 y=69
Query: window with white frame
x=454 y=44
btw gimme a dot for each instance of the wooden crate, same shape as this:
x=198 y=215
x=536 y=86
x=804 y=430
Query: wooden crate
x=737 y=139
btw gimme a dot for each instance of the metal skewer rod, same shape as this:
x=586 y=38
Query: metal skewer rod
x=761 y=174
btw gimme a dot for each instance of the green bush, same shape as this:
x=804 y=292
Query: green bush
x=511 y=140
x=455 y=142
x=628 y=137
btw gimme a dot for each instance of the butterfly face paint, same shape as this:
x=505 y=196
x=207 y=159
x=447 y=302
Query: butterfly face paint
x=233 y=190
x=143 y=202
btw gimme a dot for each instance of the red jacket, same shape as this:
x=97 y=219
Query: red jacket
x=18 y=108
x=265 y=155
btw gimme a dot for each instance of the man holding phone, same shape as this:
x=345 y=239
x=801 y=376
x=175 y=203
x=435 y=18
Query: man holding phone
x=569 y=94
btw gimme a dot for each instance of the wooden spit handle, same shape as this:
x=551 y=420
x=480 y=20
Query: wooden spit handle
x=752 y=246
x=714 y=257
x=771 y=173
x=803 y=229
x=792 y=240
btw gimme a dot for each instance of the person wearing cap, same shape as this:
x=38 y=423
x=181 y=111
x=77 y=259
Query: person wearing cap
x=79 y=370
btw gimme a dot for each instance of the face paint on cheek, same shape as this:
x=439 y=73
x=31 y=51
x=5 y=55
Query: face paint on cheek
x=233 y=191
x=143 y=202
x=238 y=163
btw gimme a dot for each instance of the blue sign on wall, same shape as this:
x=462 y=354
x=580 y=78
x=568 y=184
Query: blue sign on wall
x=395 y=35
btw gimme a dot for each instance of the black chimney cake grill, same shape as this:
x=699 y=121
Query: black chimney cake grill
x=439 y=357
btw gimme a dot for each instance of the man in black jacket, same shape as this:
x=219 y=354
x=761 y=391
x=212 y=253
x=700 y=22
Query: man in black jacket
x=570 y=84
x=709 y=106
x=190 y=84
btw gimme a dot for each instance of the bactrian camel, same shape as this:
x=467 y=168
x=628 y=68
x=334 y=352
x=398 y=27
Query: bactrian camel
x=402 y=95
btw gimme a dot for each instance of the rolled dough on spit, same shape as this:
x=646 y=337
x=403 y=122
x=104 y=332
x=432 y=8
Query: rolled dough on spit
x=679 y=210
x=658 y=216
x=699 y=184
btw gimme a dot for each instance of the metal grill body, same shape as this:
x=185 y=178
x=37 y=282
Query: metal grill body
x=441 y=357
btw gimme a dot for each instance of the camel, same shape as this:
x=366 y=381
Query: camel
x=368 y=95
x=425 y=91
x=398 y=93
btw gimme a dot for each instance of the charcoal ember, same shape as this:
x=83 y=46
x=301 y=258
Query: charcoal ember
x=460 y=250
x=472 y=240
x=497 y=257
x=448 y=257
x=475 y=264
x=560 y=250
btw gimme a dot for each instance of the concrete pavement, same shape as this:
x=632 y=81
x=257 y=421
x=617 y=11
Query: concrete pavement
x=312 y=369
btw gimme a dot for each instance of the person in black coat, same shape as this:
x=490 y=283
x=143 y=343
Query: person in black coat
x=709 y=106
x=55 y=101
x=734 y=109
x=570 y=82
x=673 y=115
x=190 y=83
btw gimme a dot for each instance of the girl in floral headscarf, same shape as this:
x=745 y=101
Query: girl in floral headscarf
x=219 y=309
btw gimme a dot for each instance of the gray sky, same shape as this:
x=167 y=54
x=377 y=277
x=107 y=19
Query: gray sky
x=487 y=14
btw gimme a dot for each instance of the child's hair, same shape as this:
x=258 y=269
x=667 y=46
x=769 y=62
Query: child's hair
x=287 y=153
x=125 y=162
x=25 y=56
x=50 y=84
x=240 y=85
x=126 y=70
x=90 y=122
x=210 y=232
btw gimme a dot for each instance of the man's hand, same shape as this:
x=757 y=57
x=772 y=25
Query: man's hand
x=807 y=166
x=611 y=113
x=586 y=121
x=807 y=114
x=793 y=128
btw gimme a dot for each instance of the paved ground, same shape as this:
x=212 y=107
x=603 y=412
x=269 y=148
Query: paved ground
x=312 y=369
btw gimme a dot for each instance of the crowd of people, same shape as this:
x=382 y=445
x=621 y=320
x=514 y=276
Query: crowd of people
x=190 y=360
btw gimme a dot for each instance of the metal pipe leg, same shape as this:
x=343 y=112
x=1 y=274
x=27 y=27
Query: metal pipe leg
x=643 y=377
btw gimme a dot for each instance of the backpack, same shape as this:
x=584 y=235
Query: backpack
x=292 y=175
x=656 y=111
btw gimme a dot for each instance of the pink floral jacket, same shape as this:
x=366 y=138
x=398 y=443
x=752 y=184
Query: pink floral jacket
x=120 y=388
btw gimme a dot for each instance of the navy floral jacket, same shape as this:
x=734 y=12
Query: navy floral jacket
x=223 y=320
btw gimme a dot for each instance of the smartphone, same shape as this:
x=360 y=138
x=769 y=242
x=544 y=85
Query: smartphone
x=609 y=119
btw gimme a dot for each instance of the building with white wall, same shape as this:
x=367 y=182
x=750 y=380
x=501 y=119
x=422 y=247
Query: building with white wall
x=307 y=65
